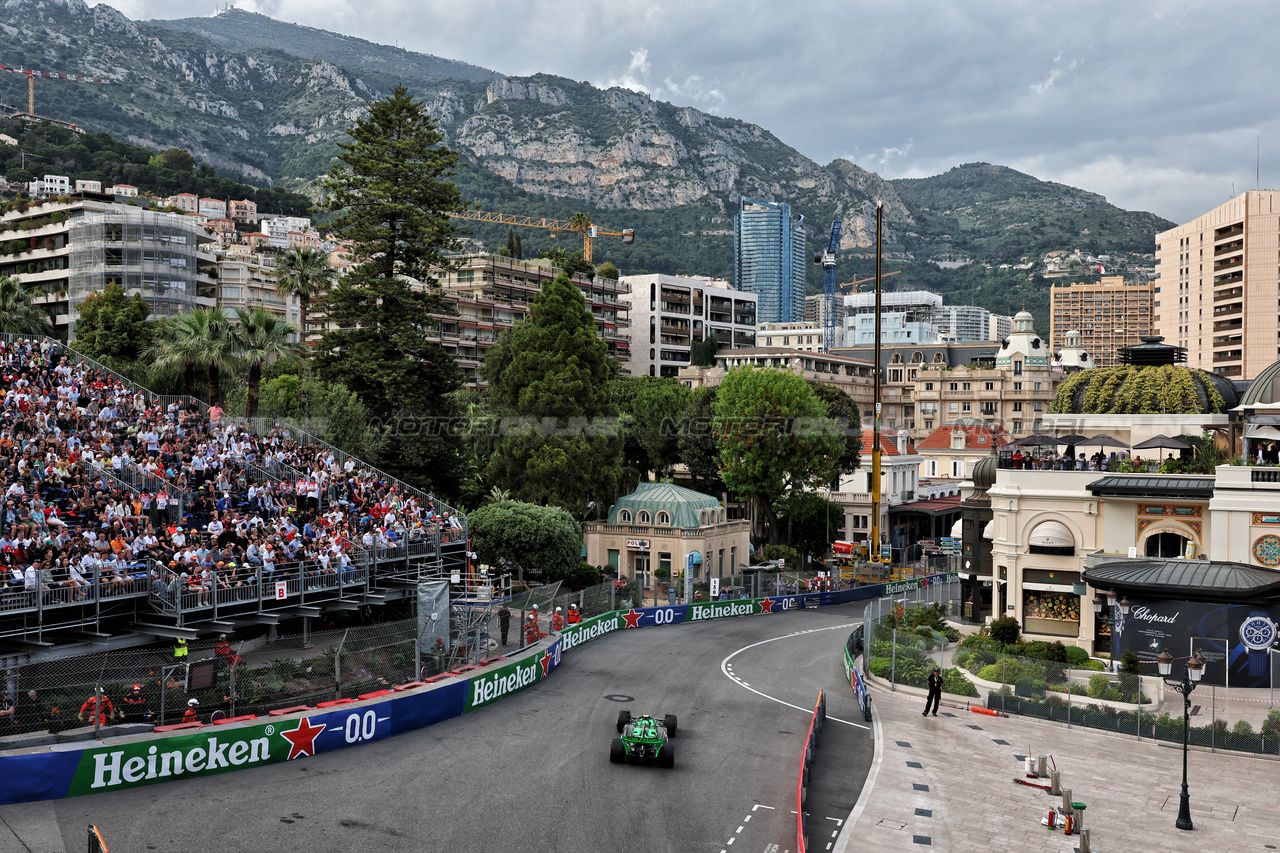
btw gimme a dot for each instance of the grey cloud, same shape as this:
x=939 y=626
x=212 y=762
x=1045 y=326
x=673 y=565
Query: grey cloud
x=1156 y=104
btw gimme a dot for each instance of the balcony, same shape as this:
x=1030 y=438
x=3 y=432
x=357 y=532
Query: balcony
x=1228 y=263
x=1226 y=248
x=1233 y=293
x=1227 y=232
x=1227 y=310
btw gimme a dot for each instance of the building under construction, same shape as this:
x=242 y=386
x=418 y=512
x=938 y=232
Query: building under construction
x=146 y=252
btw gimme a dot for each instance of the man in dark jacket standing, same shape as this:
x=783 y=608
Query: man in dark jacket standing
x=504 y=622
x=935 y=692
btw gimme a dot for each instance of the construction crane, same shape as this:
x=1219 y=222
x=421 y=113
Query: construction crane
x=828 y=261
x=858 y=281
x=31 y=75
x=579 y=224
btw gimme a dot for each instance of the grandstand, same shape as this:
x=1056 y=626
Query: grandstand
x=129 y=516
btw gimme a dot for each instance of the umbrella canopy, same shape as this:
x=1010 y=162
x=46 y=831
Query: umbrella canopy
x=1162 y=441
x=1038 y=439
x=1074 y=438
x=1101 y=440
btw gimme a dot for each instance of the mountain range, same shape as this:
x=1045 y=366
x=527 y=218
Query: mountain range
x=266 y=101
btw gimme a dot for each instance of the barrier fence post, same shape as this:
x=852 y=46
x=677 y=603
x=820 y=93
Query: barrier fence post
x=893 y=665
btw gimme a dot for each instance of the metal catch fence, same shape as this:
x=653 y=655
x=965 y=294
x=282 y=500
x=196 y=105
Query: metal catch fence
x=250 y=677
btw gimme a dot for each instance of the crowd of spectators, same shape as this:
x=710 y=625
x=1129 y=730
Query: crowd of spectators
x=225 y=511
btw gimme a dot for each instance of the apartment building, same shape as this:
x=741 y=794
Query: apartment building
x=50 y=186
x=186 y=202
x=670 y=313
x=246 y=279
x=906 y=316
x=214 y=208
x=1012 y=395
x=244 y=211
x=83 y=186
x=853 y=376
x=1218 y=287
x=67 y=250
x=901 y=366
x=769 y=258
x=971 y=323
x=808 y=337
x=278 y=229
x=1110 y=314
x=489 y=294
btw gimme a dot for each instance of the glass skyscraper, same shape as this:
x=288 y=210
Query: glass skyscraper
x=769 y=259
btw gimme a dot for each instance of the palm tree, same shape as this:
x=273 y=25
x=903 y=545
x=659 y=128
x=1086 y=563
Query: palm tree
x=581 y=223
x=213 y=344
x=261 y=337
x=19 y=315
x=170 y=352
x=304 y=272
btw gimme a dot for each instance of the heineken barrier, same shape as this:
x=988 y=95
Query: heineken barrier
x=216 y=749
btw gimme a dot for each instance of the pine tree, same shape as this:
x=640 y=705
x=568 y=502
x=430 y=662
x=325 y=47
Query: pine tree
x=391 y=193
x=511 y=242
x=519 y=255
x=552 y=372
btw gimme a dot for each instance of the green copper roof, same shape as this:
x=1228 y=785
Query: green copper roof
x=683 y=506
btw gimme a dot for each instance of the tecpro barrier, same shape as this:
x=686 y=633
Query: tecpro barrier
x=128 y=762
x=853 y=648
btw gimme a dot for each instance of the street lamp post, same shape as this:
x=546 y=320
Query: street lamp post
x=1195 y=670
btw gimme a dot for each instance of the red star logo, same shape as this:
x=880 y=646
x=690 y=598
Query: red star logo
x=546 y=662
x=924 y=582
x=632 y=619
x=766 y=605
x=302 y=740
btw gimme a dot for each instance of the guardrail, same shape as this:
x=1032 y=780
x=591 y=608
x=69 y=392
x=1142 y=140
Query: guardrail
x=194 y=749
x=816 y=721
x=853 y=647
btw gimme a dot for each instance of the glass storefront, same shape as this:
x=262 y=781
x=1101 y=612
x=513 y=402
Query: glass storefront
x=1053 y=613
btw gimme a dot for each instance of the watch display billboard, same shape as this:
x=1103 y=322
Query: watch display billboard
x=1236 y=640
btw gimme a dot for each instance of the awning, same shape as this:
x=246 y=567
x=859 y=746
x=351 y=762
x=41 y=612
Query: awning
x=1262 y=431
x=957 y=529
x=989 y=530
x=1051 y=534
x=936 y=506
x=1192 y=579
x=696 y=556
x=1153 y=486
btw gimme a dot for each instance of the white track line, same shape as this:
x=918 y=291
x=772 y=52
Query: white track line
x=728 y=671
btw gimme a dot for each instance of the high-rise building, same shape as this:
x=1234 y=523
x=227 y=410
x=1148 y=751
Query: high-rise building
x=972 y=323
x=1109 y=314
x=769 y=259
x=1218 y=286
x=670 y=313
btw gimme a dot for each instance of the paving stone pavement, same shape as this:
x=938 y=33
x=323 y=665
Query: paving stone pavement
x=946 y=783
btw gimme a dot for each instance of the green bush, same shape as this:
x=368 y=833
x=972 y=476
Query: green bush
x=1271 y=726
x=953 y=681
x=1129 y=662
x=881 y=667
x=1078 y=657
x=1094 y=665
x=1243 y=728
x=1100 y=687
x=1005 y=630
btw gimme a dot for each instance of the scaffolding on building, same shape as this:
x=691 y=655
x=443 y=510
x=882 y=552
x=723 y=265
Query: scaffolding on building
x=147 y=252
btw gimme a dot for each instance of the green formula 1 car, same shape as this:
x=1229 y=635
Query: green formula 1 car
x=645 y=740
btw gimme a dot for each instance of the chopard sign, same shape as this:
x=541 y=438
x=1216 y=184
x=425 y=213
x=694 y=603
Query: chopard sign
x=1144 y=614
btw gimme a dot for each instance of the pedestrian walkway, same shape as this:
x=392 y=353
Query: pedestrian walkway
x=946 y=783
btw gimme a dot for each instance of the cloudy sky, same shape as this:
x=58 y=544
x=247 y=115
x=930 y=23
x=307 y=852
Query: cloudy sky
x=1159 y=105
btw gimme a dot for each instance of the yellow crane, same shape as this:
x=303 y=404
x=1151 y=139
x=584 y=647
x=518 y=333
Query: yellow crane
x=579 y=224
x=858 y=281
x=31 y=75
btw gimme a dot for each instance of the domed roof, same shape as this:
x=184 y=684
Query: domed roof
x=984 y=473
x=1024 y=314
x=1265 y=388
x=1135 y=389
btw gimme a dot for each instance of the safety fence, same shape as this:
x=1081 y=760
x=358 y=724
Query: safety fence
x=853 y=647
x=817 y=720
x=253 y=676
x=907 y=636
x=194 y=749
x=1163 y=722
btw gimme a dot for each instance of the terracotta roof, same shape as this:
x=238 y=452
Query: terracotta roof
x=888 y=445
x=977 y=436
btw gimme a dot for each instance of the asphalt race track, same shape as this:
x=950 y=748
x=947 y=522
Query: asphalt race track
x=532 y=773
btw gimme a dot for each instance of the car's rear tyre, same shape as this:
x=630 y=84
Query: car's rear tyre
x=617 y=751
x=624 y=717
x=670 y=722
x=667 y=758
